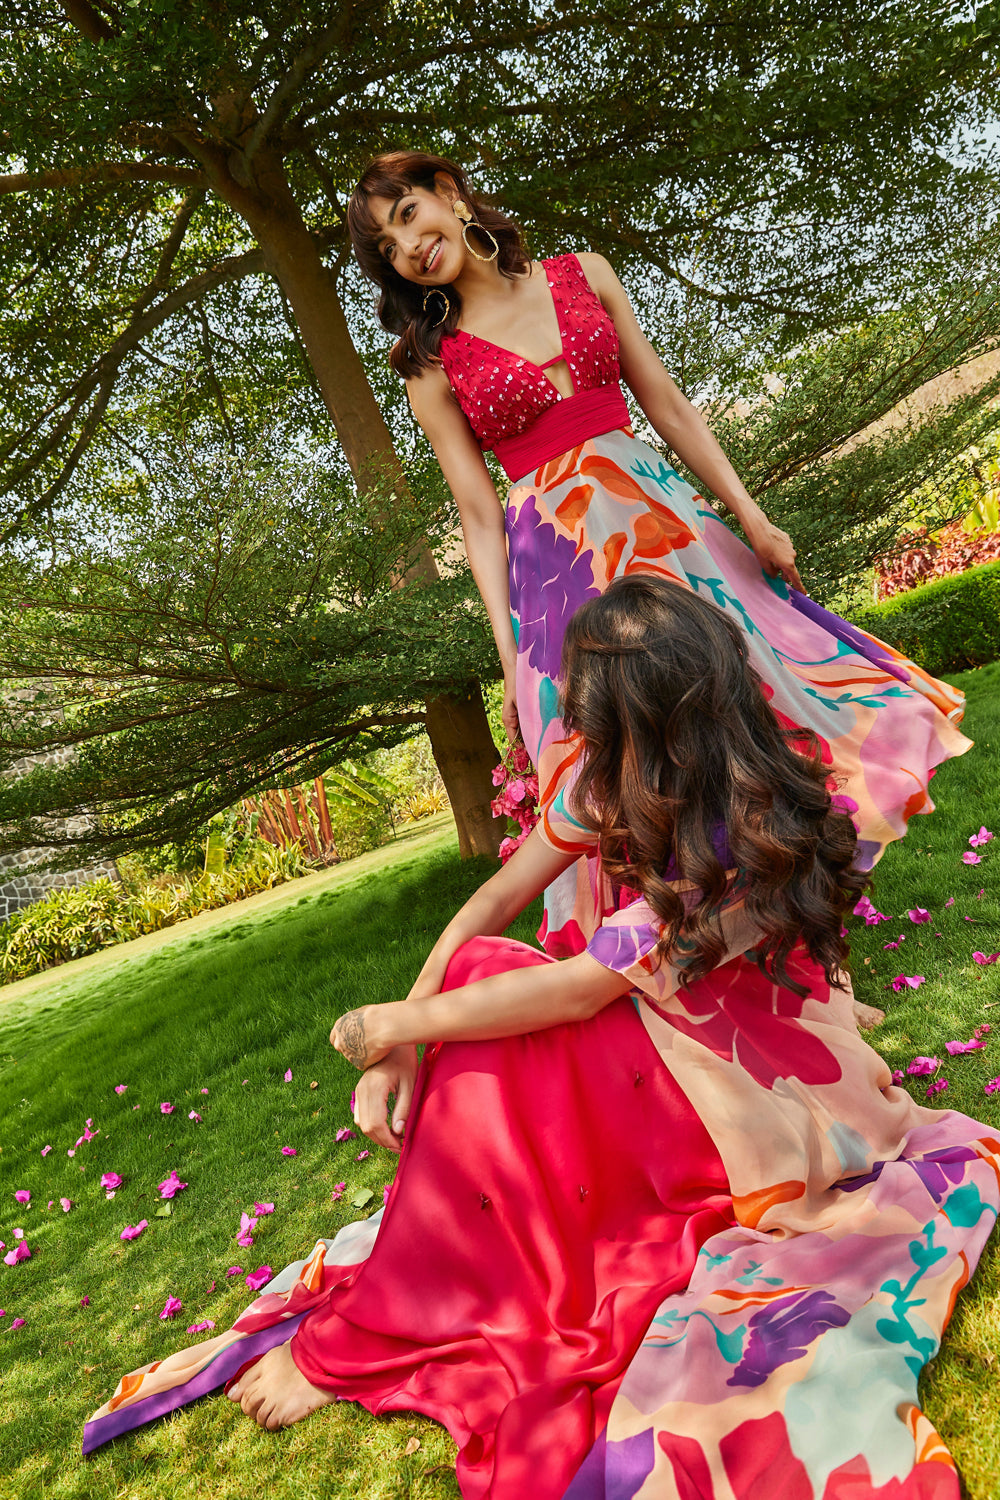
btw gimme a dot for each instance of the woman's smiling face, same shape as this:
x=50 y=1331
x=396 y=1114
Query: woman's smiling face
x=421 y=238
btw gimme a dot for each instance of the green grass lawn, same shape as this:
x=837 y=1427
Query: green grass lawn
x=233 y=1004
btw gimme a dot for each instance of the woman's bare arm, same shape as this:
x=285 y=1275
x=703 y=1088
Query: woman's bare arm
x=468 y=478
x=683 y=427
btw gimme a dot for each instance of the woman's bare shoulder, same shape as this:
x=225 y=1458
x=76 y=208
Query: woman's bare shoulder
x=598 y=271
x=429 y=390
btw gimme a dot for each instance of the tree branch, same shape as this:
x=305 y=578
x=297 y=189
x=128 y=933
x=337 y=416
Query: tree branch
x=107 y=171
x=87 y=21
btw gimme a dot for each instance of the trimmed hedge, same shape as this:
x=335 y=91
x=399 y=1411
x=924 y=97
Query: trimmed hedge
x=944 y=626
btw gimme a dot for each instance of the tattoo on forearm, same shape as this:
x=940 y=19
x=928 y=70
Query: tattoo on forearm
x=352 y=1036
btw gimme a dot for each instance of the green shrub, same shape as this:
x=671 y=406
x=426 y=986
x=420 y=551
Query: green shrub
x=944 y=626
x=358 y=829
x=69 y=923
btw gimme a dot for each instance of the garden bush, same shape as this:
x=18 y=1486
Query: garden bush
x=944 y=626
x=70 y=923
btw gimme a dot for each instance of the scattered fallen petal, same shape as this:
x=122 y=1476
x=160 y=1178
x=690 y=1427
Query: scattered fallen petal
x=937 y=1087
x=288 y=1075
x=339 y=1189
x=259 y=1278
x=362 y=1155
x=171 y=1185
x=22 y=1196
x=171 y=1307
x=950 y=901
x=968 y=858
x=914 y=981
x=921 y=1065
x=133 y=1231
x=84 y=1301
x=204 y=1091
x=21 y=1252
x=954 y=1048
x=982 y=837
x=345 y=1133
x=111 y=1180
x=120 y=1088
x=200 y=1327
x=263 y=1208
x=919 y=914
x=71 y=1152
x=65 y=1204
x=166 y=1108
x=46 y=1150
x=17 y=1323
x=289 y=1151
x=898 y=1076
x=992 y=1086
x=890 y=945
x=19 y=1234
x=235 y=1271
x=985 y=958
x=195 y=1116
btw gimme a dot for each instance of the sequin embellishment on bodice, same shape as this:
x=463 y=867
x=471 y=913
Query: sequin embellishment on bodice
x=500 y=393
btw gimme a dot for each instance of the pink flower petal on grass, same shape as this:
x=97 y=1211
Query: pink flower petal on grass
x=201 y=1327
x=937 y=1087
x=84 y=1301
x=985 y=958
x=235 y=1271
x=195 y=1116
x=955 y=1048
x=259 y=1278
x=166 y=1108
x=362 y=1155
x=919 y=914
x=950 y=901
x=21 y=1252
x=46 y=1150
x=171 y=1185
x=968 y=858
x=17 y=1323
x=263 y=1208
x=923 y=1065
x=289 y=1151
x=345 y=1133
x=902 y=981
x=288 y=1075
x=111 y=1180
x=898 y=1076
x=171 y=1307
x=992 y=1086
x=120 y=1088
x=133 y=1231
x=982 y=837
x=339 y=1189
x=22 y=1196
x=65 y=1204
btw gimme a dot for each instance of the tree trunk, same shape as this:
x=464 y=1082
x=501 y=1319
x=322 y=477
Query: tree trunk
x=459 y=733
x=465 y=765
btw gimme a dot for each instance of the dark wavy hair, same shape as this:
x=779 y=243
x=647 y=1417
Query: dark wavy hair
x=400 y=303
x=687 y=773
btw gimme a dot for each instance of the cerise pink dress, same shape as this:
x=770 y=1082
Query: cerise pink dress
x=700 y=1247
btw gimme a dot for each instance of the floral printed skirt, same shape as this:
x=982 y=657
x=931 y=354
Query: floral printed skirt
x=611 y=507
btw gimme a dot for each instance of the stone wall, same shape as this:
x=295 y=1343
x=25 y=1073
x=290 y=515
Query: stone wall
x=18 y=890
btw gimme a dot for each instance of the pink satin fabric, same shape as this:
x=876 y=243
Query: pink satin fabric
x=553 y=1189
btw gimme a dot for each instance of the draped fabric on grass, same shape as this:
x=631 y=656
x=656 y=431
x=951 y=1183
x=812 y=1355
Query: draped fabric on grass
x=611 y=506
x=697 y=1247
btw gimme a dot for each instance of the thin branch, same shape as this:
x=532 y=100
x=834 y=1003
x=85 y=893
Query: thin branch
x=105 y=171
x=279 y=104
x=87 y=21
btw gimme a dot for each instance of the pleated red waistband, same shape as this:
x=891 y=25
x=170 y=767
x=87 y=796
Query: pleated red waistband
x=563 y=425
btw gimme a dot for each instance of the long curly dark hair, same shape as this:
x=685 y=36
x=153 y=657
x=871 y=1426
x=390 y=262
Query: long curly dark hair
x=687 y=774
x=400 y=304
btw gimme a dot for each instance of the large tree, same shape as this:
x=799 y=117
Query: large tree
x=175 y=179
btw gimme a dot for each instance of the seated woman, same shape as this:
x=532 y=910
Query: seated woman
x=662 y=1224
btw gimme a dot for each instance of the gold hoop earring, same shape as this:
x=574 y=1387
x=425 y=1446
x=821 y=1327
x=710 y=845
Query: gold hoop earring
x=462 y=211
x=435 y=291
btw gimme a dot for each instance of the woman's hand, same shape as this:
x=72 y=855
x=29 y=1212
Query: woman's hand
x=509 y=712
x=395 y=1074
x=773 y=549
x=359 y=1036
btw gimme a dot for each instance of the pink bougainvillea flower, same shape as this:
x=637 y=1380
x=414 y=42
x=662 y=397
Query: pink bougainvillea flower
x=65 y=1204
x=919 y=914
x=21 y=1252
x=968 y=858
x=171 y=1185
x=898 y=1076
x=22 y=1196
x=498 y=774
x=204 y=1091
x=17 y=1323
x=339 y=1189
x=345 y=1133
x=195 y=1116
x=166 y=1108
x=902 y=981
x=954 y=1048
x=361 y=1155
x=71 y=1152
x=982 y=837
x=983 y=1030
x=937 y=1087
x=2 y=1245
x=247 y=1226
x=133 y=1231
x=288 y=1075
x=992 y=1086
x=50 y=1202
x=263 y=1208
x=171 y=1307
x=120 y=1088
x=922 y=1065
x=137 y=1106
x=863 y=907
x=985 y=958
x=289 y=1151
x=19 y=1234
x=235 y=1271
x=950 y=901
x=46 y=1150
x=875 y=917
x=890 y=945
x=111 y=1180
x=84 y=1301
x=200 y=1327
x=259 y=1278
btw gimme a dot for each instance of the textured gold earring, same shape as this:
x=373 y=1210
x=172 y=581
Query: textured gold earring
x=462 y=211
x=435 y=291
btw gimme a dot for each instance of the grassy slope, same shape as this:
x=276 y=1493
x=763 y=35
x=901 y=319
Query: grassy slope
x=255 y=995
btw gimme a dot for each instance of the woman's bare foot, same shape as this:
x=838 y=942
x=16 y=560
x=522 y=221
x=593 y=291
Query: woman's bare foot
x=867 y=1016
x=276 y=1393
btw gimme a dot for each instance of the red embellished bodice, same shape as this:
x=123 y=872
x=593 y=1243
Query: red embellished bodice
x=502 y=394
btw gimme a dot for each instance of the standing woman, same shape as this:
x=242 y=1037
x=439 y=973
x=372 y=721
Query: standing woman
x=523 y=357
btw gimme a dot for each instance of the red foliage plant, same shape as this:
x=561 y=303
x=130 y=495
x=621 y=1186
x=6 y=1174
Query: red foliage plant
x=948 y=551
